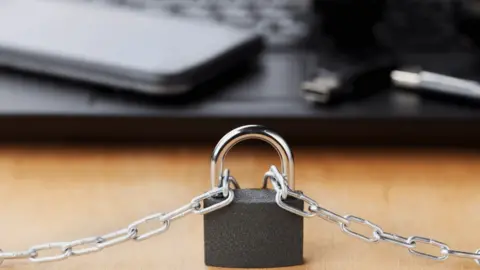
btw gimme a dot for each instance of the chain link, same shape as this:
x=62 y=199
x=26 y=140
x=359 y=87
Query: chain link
x=464 y=254
x=375 y=229
x=156 y=217
x=65 y=252
x=395 y=239
x=131 y=232
x=378 y=234
x=93 y=241
x=429 y=241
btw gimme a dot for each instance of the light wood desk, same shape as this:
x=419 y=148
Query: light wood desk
x=64 y=193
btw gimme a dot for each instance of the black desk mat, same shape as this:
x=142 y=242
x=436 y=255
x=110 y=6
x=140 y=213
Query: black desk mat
x=37 y=108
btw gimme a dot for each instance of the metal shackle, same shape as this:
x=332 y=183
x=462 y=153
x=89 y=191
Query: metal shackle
x=252 y=132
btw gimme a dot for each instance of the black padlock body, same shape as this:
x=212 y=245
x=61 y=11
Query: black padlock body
x=253 y=232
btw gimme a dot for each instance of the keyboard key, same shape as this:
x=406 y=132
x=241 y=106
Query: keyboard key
x=239 y=17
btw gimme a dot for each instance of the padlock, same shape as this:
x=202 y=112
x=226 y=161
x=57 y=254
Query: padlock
x=253 y=231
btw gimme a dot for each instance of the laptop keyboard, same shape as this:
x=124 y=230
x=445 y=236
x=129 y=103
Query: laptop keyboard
x=281 y=22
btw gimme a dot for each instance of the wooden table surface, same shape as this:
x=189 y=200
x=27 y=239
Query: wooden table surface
x=69 y=192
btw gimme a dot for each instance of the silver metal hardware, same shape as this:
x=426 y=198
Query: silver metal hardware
x=430 y=241
x=376 y=229
x=156 y=217
x=210 y=194
x=16 y=255
x=313 y=209
x=227 y=179
x=65 y=252
x=463 y=254
x=280 y=184
x=117 y=237
x=395 y=239
x=300 y=196
x=378 y=234
x=131 y=232
x=252 y=132
x=328 y=215
x=93 y=241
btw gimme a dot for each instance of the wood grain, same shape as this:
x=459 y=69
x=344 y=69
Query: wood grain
x=64 y=193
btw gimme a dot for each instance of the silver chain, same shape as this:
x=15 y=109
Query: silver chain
x=131 y=232
x=344 y=222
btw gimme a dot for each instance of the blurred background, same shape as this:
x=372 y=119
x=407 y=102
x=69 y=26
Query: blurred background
x=164 y=80
x=317 y=71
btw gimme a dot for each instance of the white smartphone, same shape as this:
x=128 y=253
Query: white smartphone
x=122 y=48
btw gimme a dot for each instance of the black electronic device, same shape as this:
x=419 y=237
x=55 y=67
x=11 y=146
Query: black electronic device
x=342 y=77
x=40 y=108
x=119 y=48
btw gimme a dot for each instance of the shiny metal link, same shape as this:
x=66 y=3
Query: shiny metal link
x=462 y=254
x=375 y=229
x=269 y=176
x=182 y=211
x=278 y=181
x=156 y=217
x=227 y=181
x=283 y=190
x=16 y=255
x=429 y=241
x=313 y=209
x=395 y=239
x=378 y=235
x=131 y=232
x=298 y=195
x=211 y=194
x=196 y=205
x=90 y=241
x=65 y=253
x=328 y=215
x=117 y=237
x=225 y=185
